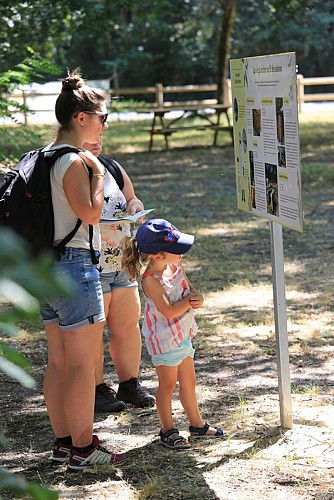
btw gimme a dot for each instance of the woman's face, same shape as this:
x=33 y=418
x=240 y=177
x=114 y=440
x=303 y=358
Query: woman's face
x=96 y=124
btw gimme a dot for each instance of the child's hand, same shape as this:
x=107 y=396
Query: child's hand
x=196 y=299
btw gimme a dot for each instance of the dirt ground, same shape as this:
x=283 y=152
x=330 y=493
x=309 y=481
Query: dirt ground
x=235 y=356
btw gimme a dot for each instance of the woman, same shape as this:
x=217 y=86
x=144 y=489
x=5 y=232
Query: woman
x=121 y=299
x=74 y=325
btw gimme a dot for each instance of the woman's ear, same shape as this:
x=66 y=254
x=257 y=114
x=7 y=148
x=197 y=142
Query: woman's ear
x=80 y=118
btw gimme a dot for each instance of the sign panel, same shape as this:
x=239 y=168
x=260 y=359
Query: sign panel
x=266 y=137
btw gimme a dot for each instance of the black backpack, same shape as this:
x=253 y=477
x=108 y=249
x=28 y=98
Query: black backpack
x=26 y=202
x=114 y=169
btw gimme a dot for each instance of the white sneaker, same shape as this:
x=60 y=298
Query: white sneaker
x=97 y=456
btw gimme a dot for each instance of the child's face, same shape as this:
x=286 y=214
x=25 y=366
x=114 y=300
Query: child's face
x=172 y=258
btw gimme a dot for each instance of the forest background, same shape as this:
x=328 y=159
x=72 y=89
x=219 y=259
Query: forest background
x=175 y=42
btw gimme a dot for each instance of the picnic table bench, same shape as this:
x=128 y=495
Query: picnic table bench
x=209 y=114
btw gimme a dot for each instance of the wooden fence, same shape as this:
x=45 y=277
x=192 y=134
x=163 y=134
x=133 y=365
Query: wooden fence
x=159 y=92
x=310 y=97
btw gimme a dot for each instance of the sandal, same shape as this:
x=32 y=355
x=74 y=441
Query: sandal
x=201 y=432
x=172 y=439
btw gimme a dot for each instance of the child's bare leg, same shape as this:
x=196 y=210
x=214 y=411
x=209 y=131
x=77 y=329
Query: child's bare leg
x=187 y=387
x=188 y=398
x=167 y=381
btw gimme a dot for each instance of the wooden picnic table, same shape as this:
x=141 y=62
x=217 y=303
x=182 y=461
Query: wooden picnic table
x=209 y=114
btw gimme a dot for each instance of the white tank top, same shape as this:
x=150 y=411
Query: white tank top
x=64 y=217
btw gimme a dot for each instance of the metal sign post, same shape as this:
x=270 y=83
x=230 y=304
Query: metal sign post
x=281 y=333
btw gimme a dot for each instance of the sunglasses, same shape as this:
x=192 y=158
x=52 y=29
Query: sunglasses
x=104 y=116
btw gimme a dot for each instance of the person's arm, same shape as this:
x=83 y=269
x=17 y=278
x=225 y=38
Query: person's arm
x=85 y=195
x=133 y=204
x=195 y=297
x=153 y=289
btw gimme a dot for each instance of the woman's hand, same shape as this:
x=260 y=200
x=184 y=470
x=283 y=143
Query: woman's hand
x=92 y=162
x=134 y=205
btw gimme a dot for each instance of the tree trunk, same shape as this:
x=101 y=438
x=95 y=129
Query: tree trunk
x=224 y=47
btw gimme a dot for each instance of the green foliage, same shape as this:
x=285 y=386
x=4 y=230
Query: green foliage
x=30 y=70
x=22 y=282
x=44 y=25
x=170 y=41
x=305 y=27
x=20 y=487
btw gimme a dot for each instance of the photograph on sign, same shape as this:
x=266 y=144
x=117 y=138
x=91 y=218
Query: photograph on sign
x=266 y=137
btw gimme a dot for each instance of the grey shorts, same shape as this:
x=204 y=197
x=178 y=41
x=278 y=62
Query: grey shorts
x=118 y=279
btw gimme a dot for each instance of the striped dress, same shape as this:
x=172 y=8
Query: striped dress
x=162 y=334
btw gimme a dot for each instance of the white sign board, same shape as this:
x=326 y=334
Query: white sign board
x=266 y=137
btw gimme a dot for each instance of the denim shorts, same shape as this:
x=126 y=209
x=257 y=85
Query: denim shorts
x=118 y=279
x=175 y=356
x=85 y=305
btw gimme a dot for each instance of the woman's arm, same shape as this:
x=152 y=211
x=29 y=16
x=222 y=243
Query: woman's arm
x=153 y=289
x=133 y=204
x=85 y=195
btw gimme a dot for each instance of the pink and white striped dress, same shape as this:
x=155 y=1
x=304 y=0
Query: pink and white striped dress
x=162 y=334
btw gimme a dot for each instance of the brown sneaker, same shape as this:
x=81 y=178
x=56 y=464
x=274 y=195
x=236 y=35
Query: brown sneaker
x=131 y=391
x=106 y=400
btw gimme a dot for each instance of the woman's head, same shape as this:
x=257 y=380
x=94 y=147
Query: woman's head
x=78 y=99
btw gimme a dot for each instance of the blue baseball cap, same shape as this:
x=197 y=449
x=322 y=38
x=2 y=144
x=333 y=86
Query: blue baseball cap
x=159 y=235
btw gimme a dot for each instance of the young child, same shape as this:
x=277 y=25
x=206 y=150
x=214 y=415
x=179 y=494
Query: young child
x=169 y=322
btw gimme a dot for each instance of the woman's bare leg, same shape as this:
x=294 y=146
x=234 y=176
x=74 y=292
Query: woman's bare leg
x=70 y=390
x=125 y=339
x=55 y=380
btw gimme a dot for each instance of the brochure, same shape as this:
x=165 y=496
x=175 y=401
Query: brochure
x=131 y=218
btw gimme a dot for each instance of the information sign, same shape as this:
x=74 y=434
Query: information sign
x=266 y=137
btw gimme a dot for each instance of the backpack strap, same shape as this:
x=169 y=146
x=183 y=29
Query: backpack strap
x=60 y=248
x=113 y=168
x=57 y=153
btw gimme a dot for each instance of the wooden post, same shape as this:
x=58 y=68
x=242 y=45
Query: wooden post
x=25 y=104
x=228 y=92
x=159 y=95
x=300 y=92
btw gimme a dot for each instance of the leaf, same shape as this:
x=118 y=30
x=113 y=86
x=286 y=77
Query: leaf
x=13 y=356
x=7 y=329
x=17 y=484
x=15 y=294
x=17 y=373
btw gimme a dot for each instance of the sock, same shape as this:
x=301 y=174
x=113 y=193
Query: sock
x=85 y=449
x=65 y=440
